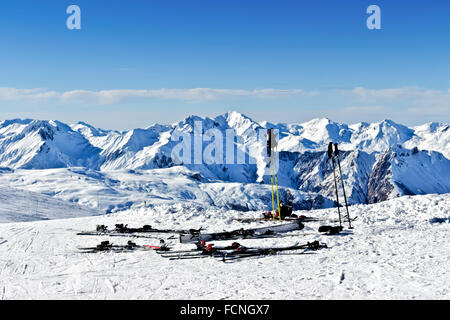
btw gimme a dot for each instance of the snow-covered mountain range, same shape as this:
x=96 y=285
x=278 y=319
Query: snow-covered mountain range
x=380 y=160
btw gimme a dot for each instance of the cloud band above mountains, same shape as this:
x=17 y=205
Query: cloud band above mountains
x=359 y=101
x=194 y=95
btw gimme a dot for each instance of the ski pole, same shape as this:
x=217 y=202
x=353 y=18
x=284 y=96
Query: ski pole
x=336 y=153
x=273 y=200
x=330 y=156
x=270 y=156
x=278 y=197
x=337 y=196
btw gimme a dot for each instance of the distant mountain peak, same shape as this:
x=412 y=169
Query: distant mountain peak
x=6 y=123
x=235 y=115
x=320 y=121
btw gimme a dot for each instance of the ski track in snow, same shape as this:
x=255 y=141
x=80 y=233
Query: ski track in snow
x=394 y=252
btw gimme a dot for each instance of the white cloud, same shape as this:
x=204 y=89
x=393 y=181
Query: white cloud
x=365 y=94
x=415 y=95
x=11 y=94
x=433 y=111
x=362 y=101
x=417 y=100
x=365 y=109
x=194 y=95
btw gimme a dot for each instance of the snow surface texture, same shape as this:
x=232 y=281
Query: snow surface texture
x=110 y=171
x=20 y=205
x=398 y=250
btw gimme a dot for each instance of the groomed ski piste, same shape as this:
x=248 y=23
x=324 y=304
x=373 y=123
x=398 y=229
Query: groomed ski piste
x=398 y=249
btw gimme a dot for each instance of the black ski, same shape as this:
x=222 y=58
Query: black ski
x=243 y=252
x=124 y=229
x=106 y=246
x=202 y=246
x=207 y=252
x=213 y=251
x=116 y=234
x=270 y=251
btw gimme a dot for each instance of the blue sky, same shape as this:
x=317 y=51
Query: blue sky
x=138 y=62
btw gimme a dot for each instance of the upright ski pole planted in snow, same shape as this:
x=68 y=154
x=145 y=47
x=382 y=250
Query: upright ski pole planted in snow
x=276 y=184
x=336 y=155
x=273 y=200
x=271 y=145
x=269 y=155
x=330 y=156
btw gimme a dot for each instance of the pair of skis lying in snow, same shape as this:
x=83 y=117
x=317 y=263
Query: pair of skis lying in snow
x=236 y=251
x=121 y=228
x=124 y=230
x=105 y=246
x=233 y=252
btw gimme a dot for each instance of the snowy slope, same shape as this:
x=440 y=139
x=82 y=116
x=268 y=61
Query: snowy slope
x=19 y=205
x=118 y=190
x=398 y=250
